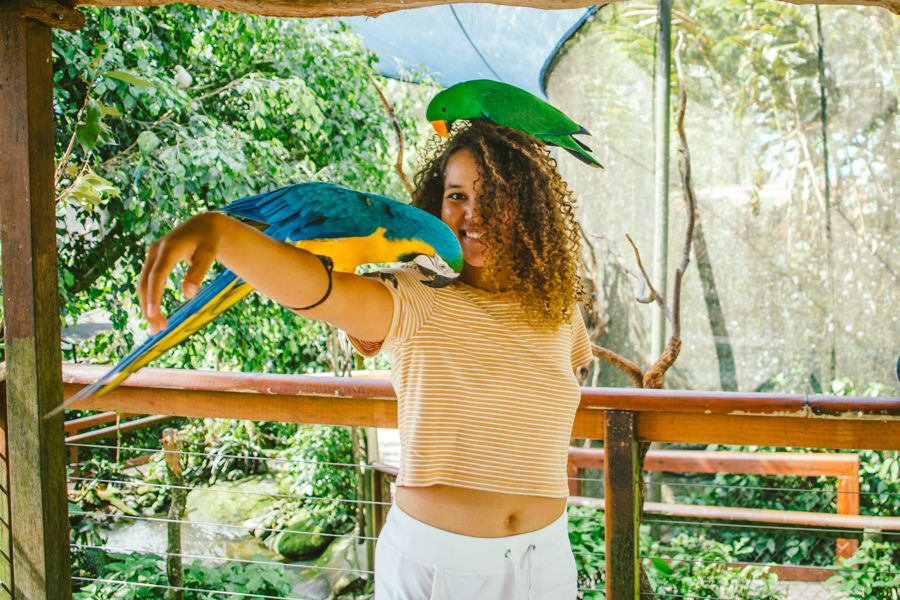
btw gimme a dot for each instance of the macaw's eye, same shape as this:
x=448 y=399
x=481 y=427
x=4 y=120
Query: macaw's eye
x=443 y=109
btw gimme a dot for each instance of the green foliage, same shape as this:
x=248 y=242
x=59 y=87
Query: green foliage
x=149 y=573
x=586 y=536
x=879 y=483
x=223 y=450
x=702 y=568
x=688 y=565
x=871 y=573
x=312 y=469
x=165 y=112
x=99 y=489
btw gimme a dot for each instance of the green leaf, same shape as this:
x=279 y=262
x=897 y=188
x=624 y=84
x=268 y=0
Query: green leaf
x=86 y=133
x=662 y=566
x=130 y=78
x=147 y=141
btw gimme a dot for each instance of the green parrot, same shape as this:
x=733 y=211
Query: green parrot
x=512 y=107
x=348 y=227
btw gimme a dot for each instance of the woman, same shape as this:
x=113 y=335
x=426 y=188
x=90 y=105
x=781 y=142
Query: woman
x=483 y=369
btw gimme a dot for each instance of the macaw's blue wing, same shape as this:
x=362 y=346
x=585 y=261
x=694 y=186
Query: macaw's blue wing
x=350 y=227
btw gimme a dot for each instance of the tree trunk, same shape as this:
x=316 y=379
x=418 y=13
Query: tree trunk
x=724 y=353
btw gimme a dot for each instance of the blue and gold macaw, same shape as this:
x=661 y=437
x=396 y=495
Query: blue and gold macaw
x=349 y=227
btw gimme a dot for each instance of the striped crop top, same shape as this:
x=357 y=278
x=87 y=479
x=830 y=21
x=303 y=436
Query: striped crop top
x=484 y=400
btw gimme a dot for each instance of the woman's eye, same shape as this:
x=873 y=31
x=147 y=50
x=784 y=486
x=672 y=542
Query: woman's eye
x=456 y=196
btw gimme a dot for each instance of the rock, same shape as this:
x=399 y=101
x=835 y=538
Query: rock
x=345 y=559
x=300 y=538
x=232 y=502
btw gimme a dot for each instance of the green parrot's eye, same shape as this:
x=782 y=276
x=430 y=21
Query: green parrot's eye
x=443 y=109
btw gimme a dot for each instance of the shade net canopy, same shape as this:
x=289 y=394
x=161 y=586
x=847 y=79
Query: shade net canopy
x=458 y=42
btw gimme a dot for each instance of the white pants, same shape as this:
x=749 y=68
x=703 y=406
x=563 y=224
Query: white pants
x=415 y=561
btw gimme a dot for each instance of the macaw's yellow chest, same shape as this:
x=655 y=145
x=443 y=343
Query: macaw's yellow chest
x=349 y=252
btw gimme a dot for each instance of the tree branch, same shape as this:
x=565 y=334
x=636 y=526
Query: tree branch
x=660 y=300
x=398 y=166
x=642 y=295
x=100 y=258
x=631 y=369
x=653 y=378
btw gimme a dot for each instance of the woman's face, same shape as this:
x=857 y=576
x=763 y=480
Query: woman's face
x=459 y=207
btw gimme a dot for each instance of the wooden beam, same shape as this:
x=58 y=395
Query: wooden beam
x=346 y=8
x=769 y=431
x=48 y=12
x=802 y=520
x=755 y=463
x=665 y=415
x=621 y=480
x=99 y=434
x=284 y=407
x=37 y=477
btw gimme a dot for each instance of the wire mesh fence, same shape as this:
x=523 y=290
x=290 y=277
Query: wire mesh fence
x=285 y=540
x=264 y=523
x=741 y=535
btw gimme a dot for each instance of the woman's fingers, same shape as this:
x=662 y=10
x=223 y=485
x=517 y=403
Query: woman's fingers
x=193 y=241
x=201 y=262
x=164 y=254
x=152 y=251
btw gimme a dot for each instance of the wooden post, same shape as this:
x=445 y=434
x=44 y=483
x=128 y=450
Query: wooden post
x=37 y=476
x=622 y=478
x=847 y=504
x=174 y=570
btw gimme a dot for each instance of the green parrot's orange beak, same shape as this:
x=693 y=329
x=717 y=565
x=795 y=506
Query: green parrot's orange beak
x=441 y=128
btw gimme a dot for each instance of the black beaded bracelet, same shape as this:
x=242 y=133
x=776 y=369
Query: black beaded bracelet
x=329 y=267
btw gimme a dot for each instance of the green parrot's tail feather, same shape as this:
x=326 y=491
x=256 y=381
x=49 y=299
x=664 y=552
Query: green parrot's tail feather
x=582 y=144
x=585 y=158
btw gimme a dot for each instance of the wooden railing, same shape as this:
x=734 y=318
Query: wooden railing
x=620 y=417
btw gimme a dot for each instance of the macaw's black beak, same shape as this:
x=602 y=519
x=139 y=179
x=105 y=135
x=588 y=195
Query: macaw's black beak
x=439 y=281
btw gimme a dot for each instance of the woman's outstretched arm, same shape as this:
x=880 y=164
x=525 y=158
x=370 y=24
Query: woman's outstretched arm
x=293 y=277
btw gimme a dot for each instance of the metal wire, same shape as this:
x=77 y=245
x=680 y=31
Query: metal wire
x=794 y=528
x=663 y=595
x=221 y=491
x=207 y=523
x=185 y=589
x=237 y=456
x=270 y=563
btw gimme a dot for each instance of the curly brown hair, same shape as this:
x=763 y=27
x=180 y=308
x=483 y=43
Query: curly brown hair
x=536 y=249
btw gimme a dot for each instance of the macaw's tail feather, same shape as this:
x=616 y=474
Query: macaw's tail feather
x=213 y=300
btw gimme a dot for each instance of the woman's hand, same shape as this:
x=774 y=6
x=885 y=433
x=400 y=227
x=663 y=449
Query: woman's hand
x=195 y=241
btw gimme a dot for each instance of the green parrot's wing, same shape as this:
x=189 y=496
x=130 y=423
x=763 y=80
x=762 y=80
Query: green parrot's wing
x=511 y=107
